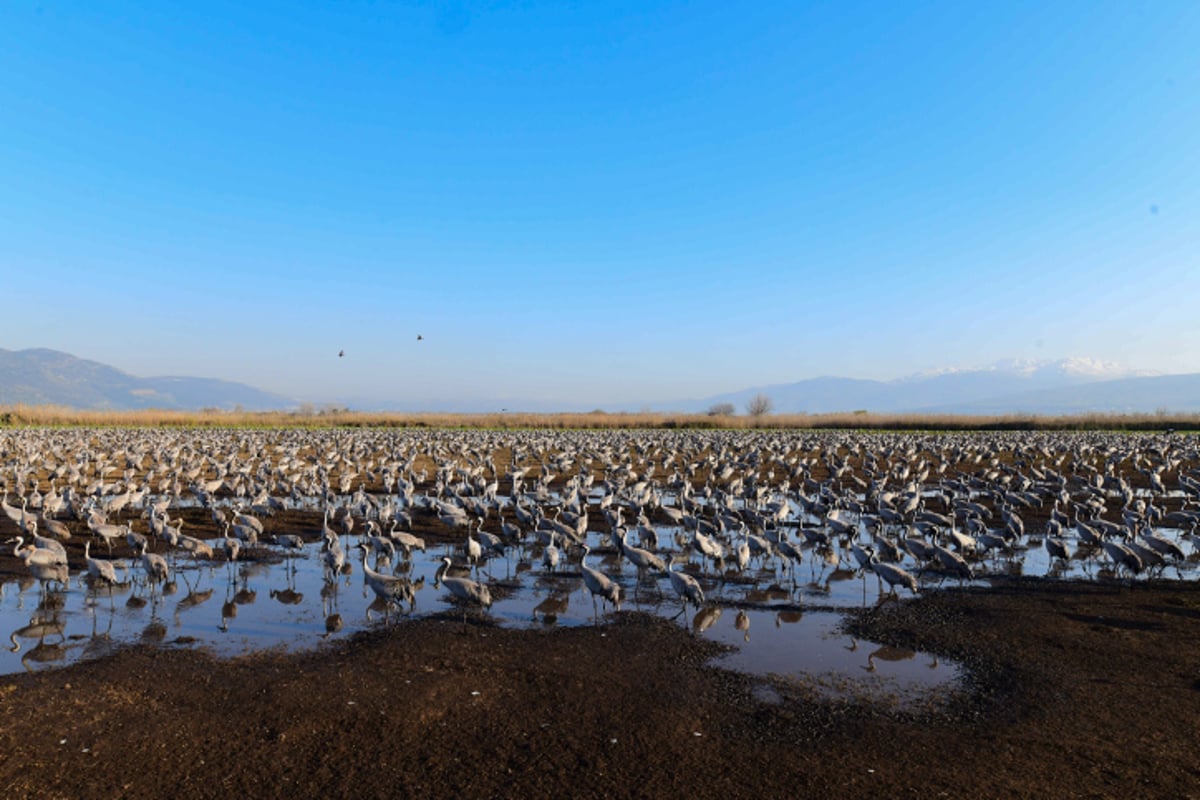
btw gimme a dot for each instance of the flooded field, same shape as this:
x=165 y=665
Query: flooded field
x=292 y=604
x=1010 y=612
x=778 y=533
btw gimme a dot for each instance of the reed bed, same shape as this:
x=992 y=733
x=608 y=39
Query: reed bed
x=46 y=415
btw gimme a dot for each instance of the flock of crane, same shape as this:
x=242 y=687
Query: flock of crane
x=712 y=515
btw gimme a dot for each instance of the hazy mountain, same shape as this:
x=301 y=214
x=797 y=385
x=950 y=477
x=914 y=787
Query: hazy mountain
x=1145 y=395
x=41 y=376
x=1040 y=387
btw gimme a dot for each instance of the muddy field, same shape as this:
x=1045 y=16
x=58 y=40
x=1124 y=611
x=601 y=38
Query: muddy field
x=1073 y=690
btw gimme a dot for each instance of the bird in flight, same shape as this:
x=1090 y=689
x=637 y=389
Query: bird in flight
x=419 y=337
x=341 y=353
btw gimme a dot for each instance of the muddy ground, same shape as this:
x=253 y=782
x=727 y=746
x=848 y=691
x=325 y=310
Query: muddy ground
x=1072 y=690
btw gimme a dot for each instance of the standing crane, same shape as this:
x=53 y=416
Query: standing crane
x=155 y=567
x=391 y=589
x=644 y=560
x=893 y=574
x=687 y=587
x=551 y=554
x=599 y=584
x=466 y=589
x=99 y=570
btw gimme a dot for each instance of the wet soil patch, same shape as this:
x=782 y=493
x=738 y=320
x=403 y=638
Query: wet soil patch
x=1051 y=705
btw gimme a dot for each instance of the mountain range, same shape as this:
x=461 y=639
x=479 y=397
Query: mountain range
x=1066 y=386
x=40 y=376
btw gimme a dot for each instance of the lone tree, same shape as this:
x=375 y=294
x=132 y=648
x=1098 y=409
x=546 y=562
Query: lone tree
x=759 y=404
x=722 y=410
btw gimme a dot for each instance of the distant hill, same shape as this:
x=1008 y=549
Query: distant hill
x=41 y=376
x=1053 y=387
x=1143 y=395
x=1069 y=386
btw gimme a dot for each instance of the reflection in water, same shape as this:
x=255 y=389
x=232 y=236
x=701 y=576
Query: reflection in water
x=229 y=611
x=790 y=617
x=811 y=648
x=742 y=623
x=705 y=618
x=772 y=594
x=308 y=607
x=154 y=632
x=289 y=597
x=888 y=653
x=44 y=653
x=551 y=608
x=39 y=628
x=193 y=599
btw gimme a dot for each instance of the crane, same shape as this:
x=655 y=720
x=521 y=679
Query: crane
x=599 y=584
x=99 y=570
x=893 y=574
x=687 y=587
x=1056 y=549
x=155 y=567
x=550 y=555
x=391 y=589
x=473 y=592
x=642 y=559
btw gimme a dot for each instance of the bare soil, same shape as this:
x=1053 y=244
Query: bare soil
x=1071 y=690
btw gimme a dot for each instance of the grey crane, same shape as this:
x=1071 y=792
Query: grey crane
x=391 y=589
x=32 y=554
x=231 y=546
x=685 y=586
x=644 y=560
x=100 y=571
x=599 y=584
x=155 y=567
x=1122 y=556
x=708 y=547
x=406 y=540
x=893 y=575
x=1056 y=549
x=953 y=563
x=551 y=554
x=106 y=531
x=473 y=592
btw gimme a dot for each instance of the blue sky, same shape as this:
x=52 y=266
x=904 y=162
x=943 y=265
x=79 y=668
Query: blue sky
x=597 y=202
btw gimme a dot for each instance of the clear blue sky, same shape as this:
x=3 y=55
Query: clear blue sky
x=597 y=202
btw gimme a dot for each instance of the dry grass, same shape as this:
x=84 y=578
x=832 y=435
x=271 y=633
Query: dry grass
x=31 y=415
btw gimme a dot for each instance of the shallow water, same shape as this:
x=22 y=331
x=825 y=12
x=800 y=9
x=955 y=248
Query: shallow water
x=831 y=663
x=291 y=605
x=782 y=622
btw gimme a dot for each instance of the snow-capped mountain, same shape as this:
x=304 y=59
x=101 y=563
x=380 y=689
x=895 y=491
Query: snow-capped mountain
x=1068 y=385
x=1081 y=369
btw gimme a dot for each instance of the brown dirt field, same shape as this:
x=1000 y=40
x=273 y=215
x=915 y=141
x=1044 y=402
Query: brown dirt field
x=1073 y=690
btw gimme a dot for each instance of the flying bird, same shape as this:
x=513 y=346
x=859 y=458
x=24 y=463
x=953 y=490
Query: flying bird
x=419 y=337
x=341 y=353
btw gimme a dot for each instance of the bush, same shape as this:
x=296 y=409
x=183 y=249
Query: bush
x=722 y=410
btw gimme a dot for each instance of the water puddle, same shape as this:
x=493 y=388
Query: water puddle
x=807 y=651
x=292 y=604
